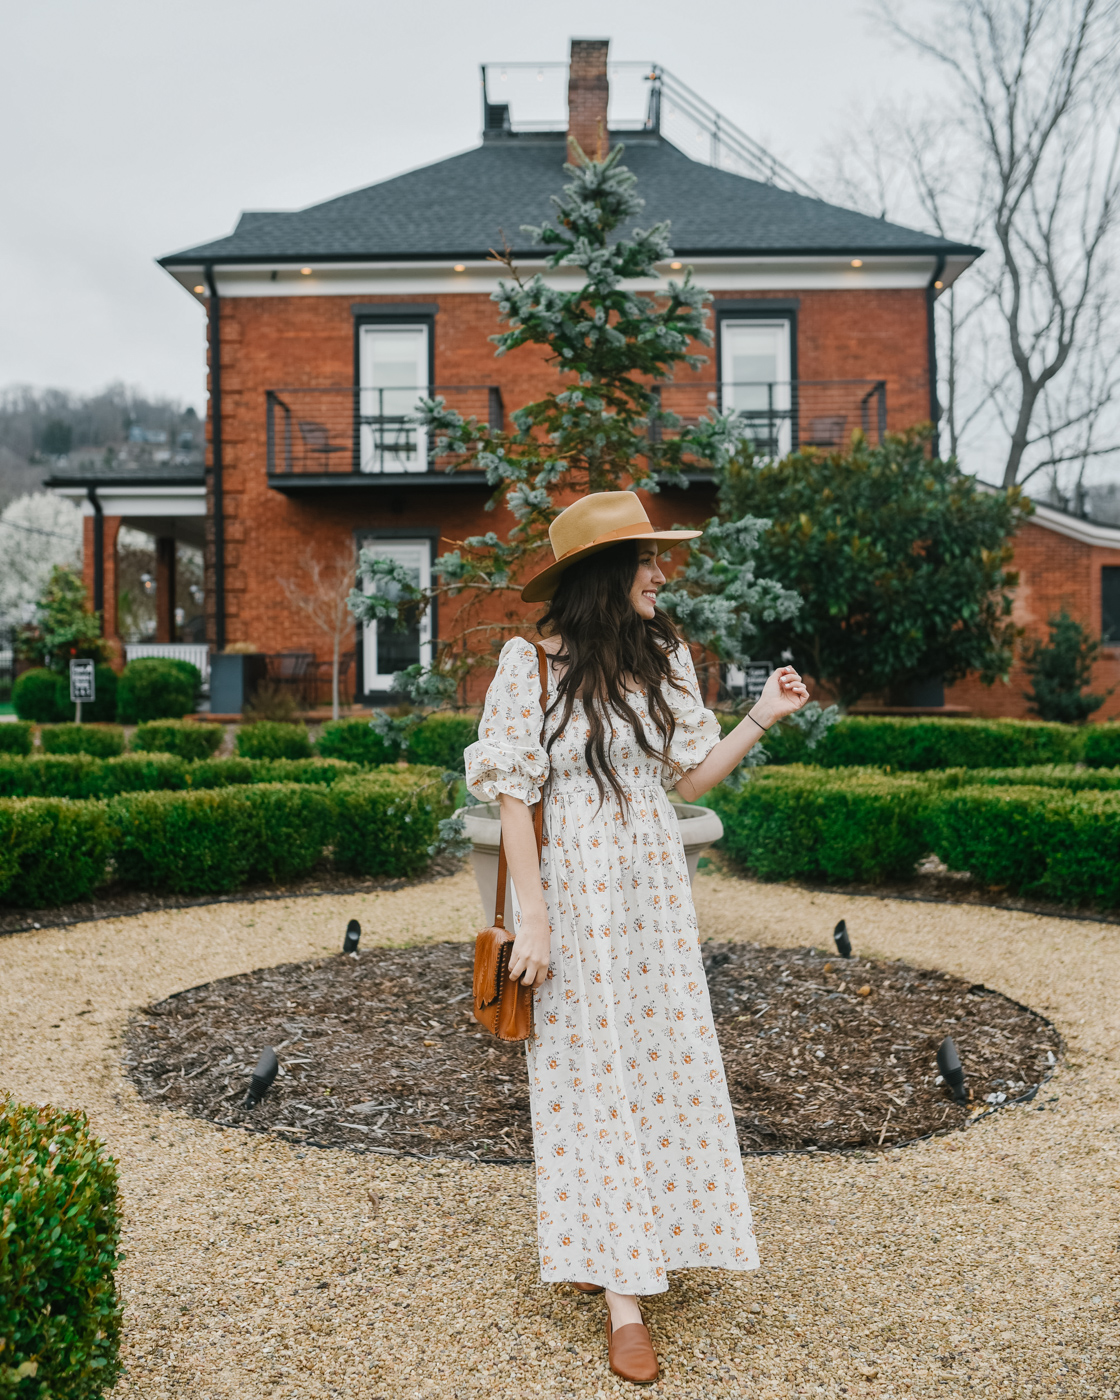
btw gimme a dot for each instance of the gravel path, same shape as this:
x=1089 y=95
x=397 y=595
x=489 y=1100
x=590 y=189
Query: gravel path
x=979 y=1263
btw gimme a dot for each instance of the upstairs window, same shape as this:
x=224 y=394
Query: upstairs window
x=393 y=376
x=1110 y=604
x=755 y=373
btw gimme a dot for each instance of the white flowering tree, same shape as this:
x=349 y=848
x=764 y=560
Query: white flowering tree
x=601 y=429
x=37 y=532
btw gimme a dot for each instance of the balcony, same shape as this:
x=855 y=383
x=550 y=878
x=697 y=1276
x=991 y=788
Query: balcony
x=366 y=436
x=370 y=437
x=782 y=417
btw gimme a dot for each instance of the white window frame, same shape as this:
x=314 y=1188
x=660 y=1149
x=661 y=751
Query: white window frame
x=408 y=552
x=782 y=391
x=373 y=458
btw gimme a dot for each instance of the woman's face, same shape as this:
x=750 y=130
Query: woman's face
x=647 y=580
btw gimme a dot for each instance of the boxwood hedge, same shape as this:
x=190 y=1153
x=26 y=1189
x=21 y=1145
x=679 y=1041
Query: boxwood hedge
x=77 y=776
x=1046 y=842
x=60 y=1316
x=387 y=820
x=917 y=745
x=156 y=687
x=441 y=739
x=185 y=738
x=15 y=738
x=354 y=740
x=210 y=842
x=801 y=823
x=1100 y=745
x=272 y=739
x=97 y=740
x=51 y=851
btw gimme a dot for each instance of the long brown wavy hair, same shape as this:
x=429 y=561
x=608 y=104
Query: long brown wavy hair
x=606 y=647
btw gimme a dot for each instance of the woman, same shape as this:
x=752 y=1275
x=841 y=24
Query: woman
x=638 y=1167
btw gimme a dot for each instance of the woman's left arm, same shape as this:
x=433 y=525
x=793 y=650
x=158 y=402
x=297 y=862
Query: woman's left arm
x=783 y=694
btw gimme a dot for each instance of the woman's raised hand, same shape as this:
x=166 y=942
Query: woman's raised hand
x=783 y=694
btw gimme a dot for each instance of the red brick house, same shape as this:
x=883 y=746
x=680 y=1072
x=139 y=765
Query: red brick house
x=325 y=325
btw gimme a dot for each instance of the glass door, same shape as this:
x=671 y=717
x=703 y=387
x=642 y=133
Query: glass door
x=393 y=367
x=387 y=651
x=754 y=356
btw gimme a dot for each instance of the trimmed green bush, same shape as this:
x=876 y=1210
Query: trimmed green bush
x=35 y=696
x=1066 y=776
x=799 y=823
x=1100 y=745
x=99 y=741
x=273 y=739
x=388 y=819
x=441 y=739
x=355 y=741
x=60 y=1316
x=1061 y=846
x=104 y=709
x=213 y=841
x=917 y=745
x=186 y=738
x=15 y=738
x=155 y=687
x=51 y=851
x=79 y=776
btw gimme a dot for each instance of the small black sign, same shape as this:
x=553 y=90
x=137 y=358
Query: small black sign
x=756 y=673
x=83 y=686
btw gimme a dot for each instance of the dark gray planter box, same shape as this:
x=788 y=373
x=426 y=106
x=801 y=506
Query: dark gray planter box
x=233 y=679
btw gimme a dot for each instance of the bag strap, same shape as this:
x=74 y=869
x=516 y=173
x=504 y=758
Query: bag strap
x=538 y=810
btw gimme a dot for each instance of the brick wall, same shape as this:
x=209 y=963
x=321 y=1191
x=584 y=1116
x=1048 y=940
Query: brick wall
x=1054 y=572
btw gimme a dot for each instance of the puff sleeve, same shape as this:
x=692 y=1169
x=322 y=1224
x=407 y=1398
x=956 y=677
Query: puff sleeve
x=510 y=755
x=697 y=732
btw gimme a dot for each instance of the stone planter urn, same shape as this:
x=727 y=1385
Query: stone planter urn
x=700 y=827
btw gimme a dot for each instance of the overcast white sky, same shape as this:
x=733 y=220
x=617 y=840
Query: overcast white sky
x=133 y=128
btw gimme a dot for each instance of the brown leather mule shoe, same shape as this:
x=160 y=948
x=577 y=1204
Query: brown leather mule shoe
x=631 y=1354
x=588 y=1287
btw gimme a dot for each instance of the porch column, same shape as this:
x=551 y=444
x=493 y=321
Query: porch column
x=110 y=529
x=165 y=589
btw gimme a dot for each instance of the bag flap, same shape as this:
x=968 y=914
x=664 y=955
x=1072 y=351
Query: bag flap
x=488 y=964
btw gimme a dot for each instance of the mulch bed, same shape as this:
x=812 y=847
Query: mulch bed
x=379 y=1052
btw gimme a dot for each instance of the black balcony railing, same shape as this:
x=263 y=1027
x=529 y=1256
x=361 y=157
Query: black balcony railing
x=364 y=432
x=781 y=417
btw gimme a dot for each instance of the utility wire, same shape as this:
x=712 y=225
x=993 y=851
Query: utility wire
x=34 y=530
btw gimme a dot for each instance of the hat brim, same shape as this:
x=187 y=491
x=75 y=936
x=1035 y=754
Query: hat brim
x=543 y=586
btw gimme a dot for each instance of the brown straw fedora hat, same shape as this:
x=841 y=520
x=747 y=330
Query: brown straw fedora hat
x=592 y=523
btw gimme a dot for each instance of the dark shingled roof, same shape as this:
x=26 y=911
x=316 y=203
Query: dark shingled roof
x=459 y=208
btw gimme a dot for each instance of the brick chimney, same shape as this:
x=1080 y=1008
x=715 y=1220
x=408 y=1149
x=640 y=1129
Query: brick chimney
x=588 y=91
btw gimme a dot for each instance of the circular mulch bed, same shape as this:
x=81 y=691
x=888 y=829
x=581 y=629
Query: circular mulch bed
x=379 y=1052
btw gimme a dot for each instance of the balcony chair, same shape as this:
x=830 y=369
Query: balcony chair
x=317 y=441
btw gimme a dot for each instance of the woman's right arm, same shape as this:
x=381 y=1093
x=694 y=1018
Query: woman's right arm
x=532 y=945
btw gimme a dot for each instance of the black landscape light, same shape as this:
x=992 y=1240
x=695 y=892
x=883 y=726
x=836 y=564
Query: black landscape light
x=353 y=933
x=952 y=1071
x=266 y=1071
x=843 y=942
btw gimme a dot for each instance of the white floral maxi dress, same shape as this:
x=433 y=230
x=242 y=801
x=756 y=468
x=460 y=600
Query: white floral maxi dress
x=637 y=1157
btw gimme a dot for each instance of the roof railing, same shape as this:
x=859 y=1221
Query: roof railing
x=528 y=97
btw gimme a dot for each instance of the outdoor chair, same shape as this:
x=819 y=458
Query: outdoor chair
x=288 y=670
x=827 y=431
x=317 y=440
x=319 y=680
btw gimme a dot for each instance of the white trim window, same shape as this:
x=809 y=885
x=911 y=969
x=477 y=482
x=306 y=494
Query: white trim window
x=755 y=368
x=393 y=376
x=385 y=650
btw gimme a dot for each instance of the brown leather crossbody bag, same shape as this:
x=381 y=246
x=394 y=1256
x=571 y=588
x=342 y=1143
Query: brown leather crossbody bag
x=502 y=1005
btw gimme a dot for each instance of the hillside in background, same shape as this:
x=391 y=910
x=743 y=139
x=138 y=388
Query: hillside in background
x=118 y=426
